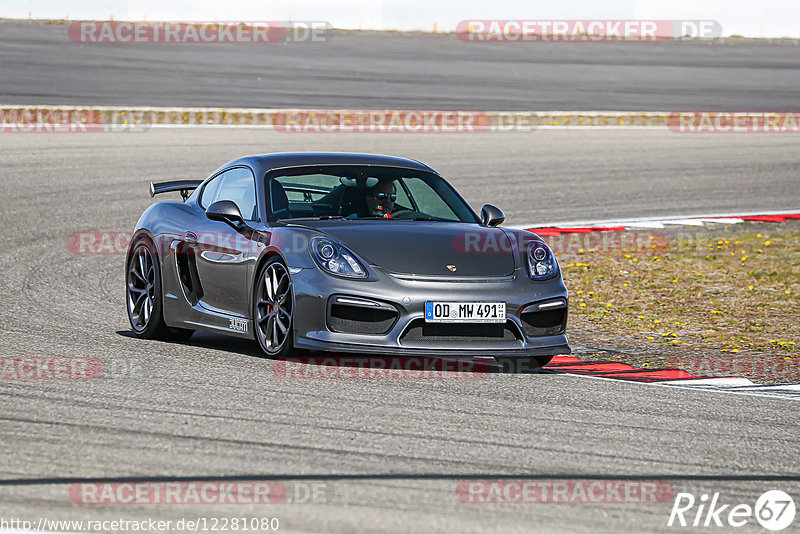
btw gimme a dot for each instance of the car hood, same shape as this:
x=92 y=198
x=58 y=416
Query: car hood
x=425 y=248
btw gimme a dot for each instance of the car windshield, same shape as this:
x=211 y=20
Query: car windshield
x=361 y=192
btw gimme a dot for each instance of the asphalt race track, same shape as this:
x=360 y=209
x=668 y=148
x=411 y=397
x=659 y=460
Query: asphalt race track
x=387 y=455
x=364 y=70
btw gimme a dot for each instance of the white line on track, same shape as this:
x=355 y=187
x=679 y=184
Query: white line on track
x=789 y=391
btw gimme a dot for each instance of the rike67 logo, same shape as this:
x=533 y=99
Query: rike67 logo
x=774 y=510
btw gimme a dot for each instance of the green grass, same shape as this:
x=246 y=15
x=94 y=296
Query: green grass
x=727 y=290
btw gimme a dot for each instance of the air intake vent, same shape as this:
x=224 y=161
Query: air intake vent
x=419 y=330
x=544 y=323
x=359 y=320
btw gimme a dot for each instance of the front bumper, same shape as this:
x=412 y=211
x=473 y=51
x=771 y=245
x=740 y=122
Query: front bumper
x=314 y=290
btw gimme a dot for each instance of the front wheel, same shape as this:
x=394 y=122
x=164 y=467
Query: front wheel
x=143 y=294
x=273 y=309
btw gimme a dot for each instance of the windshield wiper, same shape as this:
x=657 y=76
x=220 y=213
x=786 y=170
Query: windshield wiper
x=320 y=218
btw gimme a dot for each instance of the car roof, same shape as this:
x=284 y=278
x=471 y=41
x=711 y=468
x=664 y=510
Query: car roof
x=267 y=162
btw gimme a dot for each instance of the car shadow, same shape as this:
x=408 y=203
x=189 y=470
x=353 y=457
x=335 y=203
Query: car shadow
x=325 y=364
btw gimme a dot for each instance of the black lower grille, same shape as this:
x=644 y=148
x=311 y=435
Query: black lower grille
x=419 y=330
x=358 y=320
x=544 y=323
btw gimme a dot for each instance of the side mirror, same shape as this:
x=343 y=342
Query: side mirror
x=226 y=211
x=492 y=215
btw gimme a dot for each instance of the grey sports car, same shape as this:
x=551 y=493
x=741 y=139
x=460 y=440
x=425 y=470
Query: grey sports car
x=342 y=252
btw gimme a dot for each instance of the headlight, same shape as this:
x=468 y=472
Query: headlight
x=541 y=262
x=334 y=258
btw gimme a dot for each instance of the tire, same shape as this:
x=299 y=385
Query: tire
x=143 y=295
x=273 y=309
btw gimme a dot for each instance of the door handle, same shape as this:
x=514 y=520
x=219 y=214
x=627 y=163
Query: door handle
x=190 y=238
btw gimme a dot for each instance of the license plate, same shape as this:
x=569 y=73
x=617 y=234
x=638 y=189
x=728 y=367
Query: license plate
x=465 y=312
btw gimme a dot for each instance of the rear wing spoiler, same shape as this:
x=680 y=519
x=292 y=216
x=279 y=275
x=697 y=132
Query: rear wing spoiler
x=184 y=186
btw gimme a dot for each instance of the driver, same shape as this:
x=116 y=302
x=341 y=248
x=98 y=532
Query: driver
x=378 y=201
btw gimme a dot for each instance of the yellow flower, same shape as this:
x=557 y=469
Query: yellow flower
x=767 y=242
x=758 y=235
x=656 y=321
x=627 y=255
x=580 y=291
x=744 y=258
x=649 y=337
x=625 y=285
x=583 y=304
x=635 y=259
x=641 y=317
x=750 y=287
x=591 y=292
x=787 y=291
x=735 y=350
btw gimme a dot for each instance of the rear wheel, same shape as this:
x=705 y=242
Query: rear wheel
x=143 y=294
x=273 y=309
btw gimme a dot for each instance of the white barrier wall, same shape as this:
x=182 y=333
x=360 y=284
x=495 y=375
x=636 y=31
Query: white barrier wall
x=749 y=18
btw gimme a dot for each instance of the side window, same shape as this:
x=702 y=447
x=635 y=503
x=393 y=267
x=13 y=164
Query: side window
x=237 y=185
x=428 y=200
x=210 y=191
